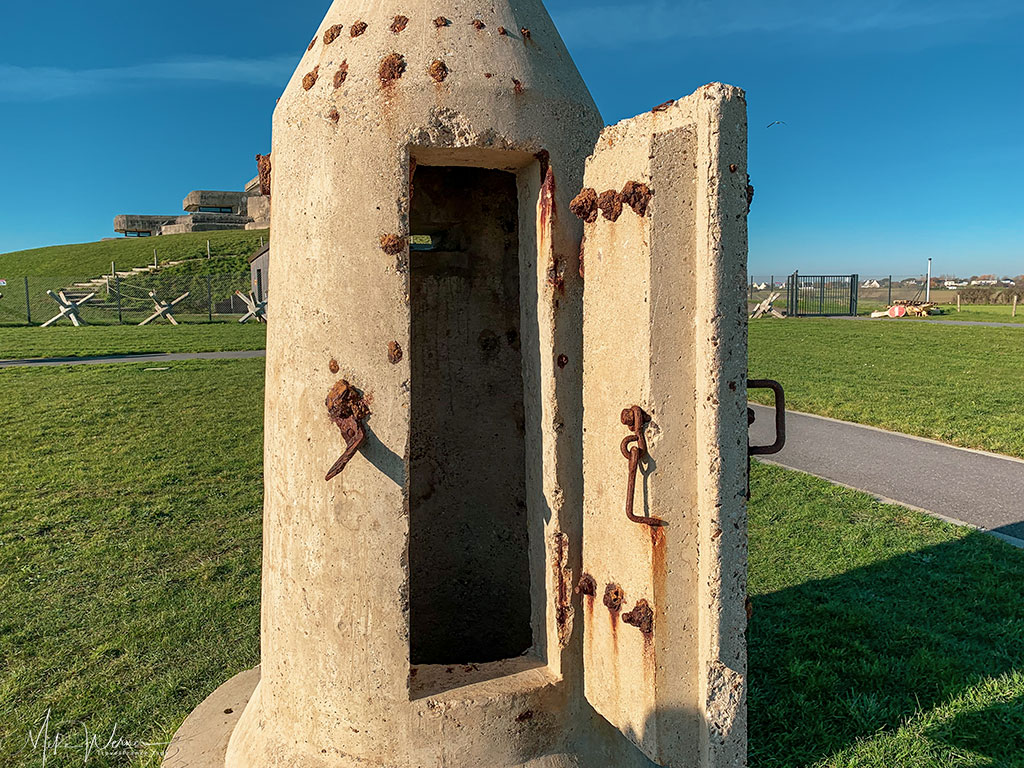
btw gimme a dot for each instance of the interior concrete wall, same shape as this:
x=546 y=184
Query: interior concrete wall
x=469 y=581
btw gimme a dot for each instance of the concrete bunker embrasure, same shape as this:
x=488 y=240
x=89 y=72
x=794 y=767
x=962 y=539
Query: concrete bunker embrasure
x=464 y=587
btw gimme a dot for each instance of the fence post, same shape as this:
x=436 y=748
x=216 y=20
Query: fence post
x=209 y=297
x=155 y=264
x=117 y=284
x=259 y=285
x=854 y=287
x=28 y=304
x=207 y=249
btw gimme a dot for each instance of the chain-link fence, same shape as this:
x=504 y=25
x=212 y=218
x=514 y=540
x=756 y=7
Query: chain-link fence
x=125 y=299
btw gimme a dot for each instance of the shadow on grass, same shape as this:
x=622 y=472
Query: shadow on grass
x=842 y=659
x=995 y=732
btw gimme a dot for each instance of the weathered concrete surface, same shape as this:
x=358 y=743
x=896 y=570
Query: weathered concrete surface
x=335 y=638
x=387 y=94
x=206 y=222
x=468 y=518
x=130 y=222
x=665 y=329
x=258 y=209
x=202 y=740
x=209 y=198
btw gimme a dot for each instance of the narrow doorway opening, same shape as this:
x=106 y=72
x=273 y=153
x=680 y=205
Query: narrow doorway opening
x=469 y=569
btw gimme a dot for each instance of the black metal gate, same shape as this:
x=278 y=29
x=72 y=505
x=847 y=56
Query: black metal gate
x=821 y=295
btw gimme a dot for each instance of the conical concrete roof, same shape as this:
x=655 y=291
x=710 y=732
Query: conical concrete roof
x=480 y=65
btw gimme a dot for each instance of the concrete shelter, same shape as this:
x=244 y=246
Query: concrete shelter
x=512 y=339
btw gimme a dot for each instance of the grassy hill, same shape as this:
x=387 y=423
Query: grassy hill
x=93 y=259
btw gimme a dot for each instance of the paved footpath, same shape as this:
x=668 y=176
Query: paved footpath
x=968 y=487
x=157 y=358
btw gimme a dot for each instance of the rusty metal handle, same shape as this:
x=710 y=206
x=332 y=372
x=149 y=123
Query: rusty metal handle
x=347 y=408
x=780 y=417
x=636 y=420
x=355 y=438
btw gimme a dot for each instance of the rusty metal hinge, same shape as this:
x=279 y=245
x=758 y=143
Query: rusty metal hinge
x=636 y=420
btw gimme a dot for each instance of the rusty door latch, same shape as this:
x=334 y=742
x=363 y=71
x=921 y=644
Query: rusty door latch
x=347 y=409
x=636 y=420
x=780 y=423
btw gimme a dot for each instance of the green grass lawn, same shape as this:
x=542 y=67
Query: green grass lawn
x=86 y=260
x=880 y=637
x=67 y=341
x=986 y=313
x=958 y=384
x=129 y=546
x=130 y=581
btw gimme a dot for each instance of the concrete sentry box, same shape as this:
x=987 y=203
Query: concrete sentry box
x=467 y=589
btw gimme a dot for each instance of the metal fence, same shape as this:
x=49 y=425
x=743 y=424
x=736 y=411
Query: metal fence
x=821 y=295
x=125 y=299
x=881 y=291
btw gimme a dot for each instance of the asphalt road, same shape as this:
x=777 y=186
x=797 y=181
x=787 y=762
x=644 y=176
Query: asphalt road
x=157 y=359
x=968 y=487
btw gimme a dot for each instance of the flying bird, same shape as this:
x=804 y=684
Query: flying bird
x=777 y=122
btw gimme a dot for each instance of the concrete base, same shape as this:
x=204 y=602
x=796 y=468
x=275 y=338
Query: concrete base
x=202 y=740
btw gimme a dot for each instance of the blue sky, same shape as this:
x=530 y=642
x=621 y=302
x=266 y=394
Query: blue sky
x=903 y=135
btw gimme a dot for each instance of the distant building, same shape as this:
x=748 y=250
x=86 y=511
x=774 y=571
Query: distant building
x=983 y=281
x=208 y=211
x=871 y=284
x=259 y=264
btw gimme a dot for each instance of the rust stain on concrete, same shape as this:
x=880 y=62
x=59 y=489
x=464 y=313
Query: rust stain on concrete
x=332 y=34
x=310 y=79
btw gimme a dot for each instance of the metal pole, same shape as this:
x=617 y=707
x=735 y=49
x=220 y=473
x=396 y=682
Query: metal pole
x=259 y=285
x=928 y=285
x=28 y=304
x=207 y=249
x=117 y=283
x=155 y=264
x=209 y=297
x=890 y=290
